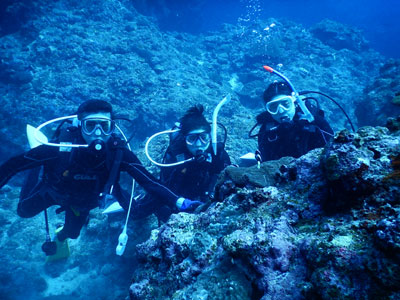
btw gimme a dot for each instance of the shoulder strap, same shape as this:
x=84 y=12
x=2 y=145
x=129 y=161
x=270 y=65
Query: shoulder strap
x=119 y=151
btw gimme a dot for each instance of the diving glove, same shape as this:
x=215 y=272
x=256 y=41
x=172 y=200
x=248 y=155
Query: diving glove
x=187 y=205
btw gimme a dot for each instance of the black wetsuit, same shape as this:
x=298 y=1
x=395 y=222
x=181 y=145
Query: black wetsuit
x=295 y=138
x=74 y=179
x=194 y=180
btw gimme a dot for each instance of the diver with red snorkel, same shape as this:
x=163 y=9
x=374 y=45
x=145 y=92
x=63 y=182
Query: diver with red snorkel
x=291 y=125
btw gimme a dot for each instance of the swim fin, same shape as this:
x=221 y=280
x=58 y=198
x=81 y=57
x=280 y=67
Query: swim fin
x=62 y=249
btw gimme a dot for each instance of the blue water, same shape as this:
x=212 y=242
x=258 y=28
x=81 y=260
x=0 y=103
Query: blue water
x=379 y=20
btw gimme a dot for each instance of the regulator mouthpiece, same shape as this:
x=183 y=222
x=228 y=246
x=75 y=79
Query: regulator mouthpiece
x=200 y=156
x=97 y=145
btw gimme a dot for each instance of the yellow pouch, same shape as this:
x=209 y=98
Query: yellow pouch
x=62 y=251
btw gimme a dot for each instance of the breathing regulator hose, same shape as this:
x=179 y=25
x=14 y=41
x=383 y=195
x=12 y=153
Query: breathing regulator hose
x=40 y=137
x=146 y=150
x=334 y=101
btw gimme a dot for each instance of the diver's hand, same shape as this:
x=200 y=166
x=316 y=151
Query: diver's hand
x=303 y=120
x=187 y=205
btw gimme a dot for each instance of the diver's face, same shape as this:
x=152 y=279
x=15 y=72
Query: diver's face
x=197 y=141
x=281 y=108
x=97 y=126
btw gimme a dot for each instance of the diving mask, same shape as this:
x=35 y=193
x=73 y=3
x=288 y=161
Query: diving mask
x=276 y=106
x=90 y=125
x=203 y=137
x=197 y=140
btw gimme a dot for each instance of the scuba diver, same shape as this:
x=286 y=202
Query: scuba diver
x=191 y=163
x=283 y=132
x=290 y=126
x=79 y=171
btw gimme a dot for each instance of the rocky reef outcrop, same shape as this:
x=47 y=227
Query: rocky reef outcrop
x=382 y=97
x=324 y=226
x=339 y=36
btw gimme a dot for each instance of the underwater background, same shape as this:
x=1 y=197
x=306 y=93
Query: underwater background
x=377 y=19
x=274 y=232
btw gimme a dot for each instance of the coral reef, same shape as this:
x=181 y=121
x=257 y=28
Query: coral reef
x=324 y=226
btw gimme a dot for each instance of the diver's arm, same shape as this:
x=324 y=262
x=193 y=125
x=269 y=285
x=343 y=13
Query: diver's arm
x=166 y=174
x=28 y=160
x=133 y=166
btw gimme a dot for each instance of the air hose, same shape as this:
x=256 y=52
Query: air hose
x=334 y=101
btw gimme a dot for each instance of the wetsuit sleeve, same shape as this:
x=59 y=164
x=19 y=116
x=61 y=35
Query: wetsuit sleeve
x=34 y=158
x=133 y=166
x=167 y=173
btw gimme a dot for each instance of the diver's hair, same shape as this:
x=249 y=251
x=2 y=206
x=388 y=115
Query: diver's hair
x=194 y=119
x=276 y=88
x=94 y=106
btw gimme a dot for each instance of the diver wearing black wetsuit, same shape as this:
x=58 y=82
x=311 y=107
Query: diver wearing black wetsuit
x=196 y=178
x=75 y=177
x=295 y=138
x=283 y=132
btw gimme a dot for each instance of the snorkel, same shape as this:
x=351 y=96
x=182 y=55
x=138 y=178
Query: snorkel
x=306 y=113
x=41 y=138
x=214 y=122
